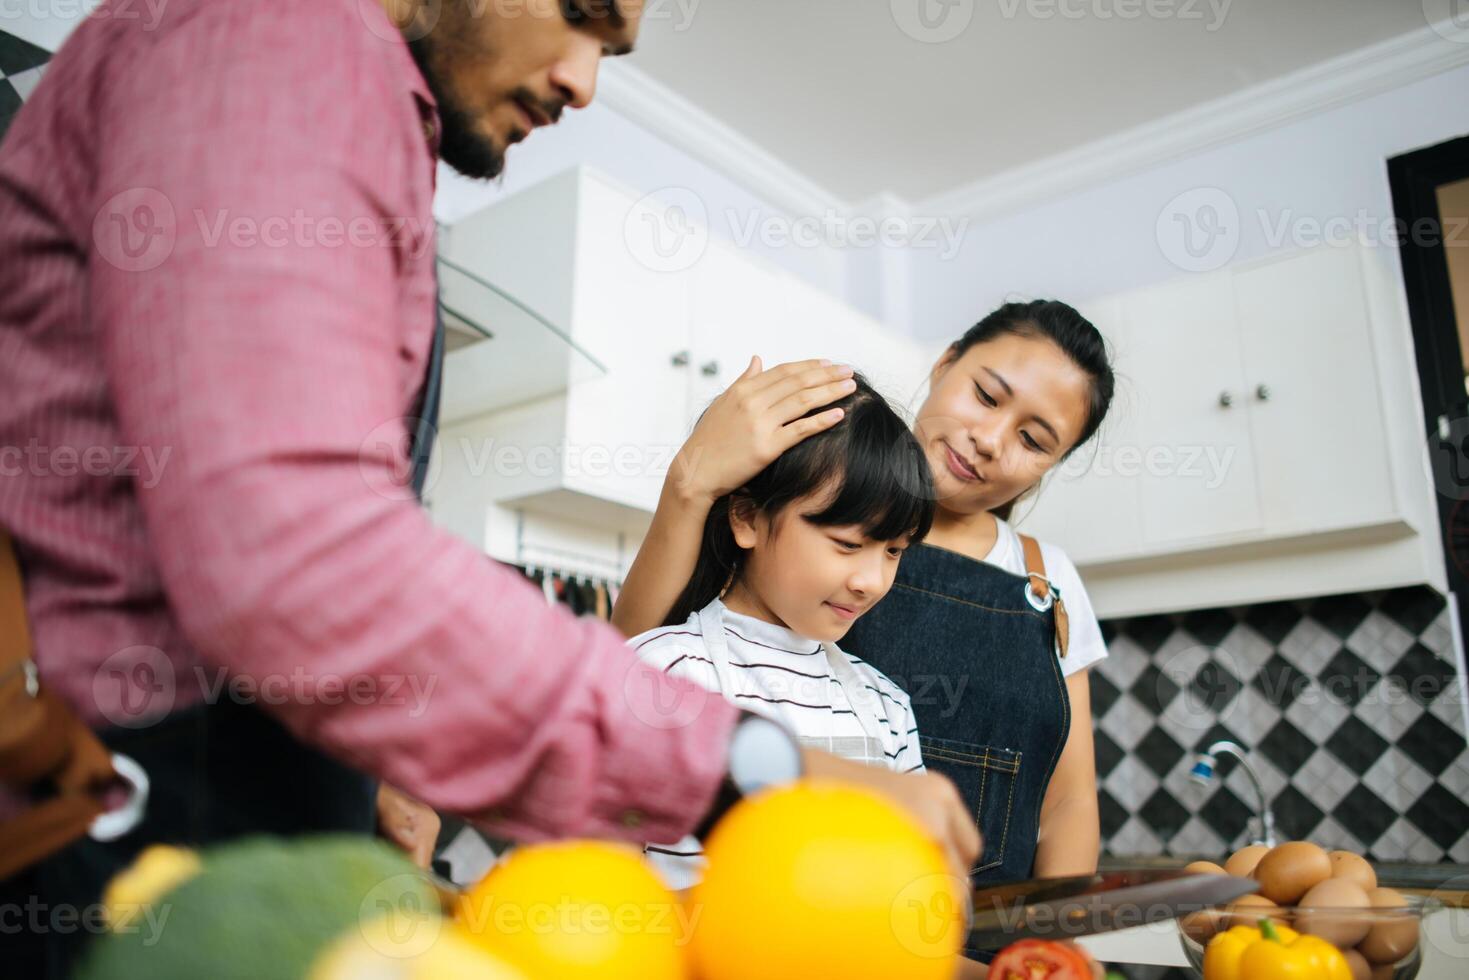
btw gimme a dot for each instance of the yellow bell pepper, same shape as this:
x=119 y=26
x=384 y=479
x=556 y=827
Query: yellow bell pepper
x=1272 y=952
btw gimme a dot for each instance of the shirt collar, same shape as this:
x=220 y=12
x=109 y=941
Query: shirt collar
x=761 y=632
x=407 y=70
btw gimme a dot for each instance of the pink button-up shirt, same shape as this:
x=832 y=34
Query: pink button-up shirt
x=216 y=303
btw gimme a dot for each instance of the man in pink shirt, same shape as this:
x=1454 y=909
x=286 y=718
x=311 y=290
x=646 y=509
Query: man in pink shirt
x=217 y=310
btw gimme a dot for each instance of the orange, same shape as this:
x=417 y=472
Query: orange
x=821 y=879
x=578 y=909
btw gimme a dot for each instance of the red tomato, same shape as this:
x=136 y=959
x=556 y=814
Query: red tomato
x=1040 y=959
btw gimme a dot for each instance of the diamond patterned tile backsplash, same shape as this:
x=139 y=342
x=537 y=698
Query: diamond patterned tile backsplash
x=21 y=67
x=1351 y=709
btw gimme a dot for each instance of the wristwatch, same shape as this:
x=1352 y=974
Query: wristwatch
x=762 y=753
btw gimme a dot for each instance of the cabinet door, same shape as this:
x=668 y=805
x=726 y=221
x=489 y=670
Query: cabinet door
x=1318 y=426
x=823 y=325
x=1190 y=453
x=623 y=427
x=1086 y=506
x=740 y=308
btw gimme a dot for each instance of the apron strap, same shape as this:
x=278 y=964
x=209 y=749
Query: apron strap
x=1042 y=588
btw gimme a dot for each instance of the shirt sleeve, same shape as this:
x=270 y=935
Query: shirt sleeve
x=263 y=369
x=1085 y=646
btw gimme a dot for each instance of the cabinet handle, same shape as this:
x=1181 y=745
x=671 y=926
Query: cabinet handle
x=681 y=359
x=711 y=369
x=1226 y=400
x=1263 y=393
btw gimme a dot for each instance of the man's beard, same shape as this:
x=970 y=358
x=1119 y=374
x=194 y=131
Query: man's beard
x=461 y=146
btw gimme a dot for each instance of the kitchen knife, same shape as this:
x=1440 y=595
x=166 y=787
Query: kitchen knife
x=1064 y=908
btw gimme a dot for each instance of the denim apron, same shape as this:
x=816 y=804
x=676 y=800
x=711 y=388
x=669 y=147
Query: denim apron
x=976 y=651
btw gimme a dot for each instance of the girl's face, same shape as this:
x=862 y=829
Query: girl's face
x=813 y=580
x=998 y=417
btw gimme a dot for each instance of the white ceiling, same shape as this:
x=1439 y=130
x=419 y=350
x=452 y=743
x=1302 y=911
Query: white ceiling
x=839 y=91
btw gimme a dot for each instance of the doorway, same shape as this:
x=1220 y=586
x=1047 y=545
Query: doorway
x=1430 y=190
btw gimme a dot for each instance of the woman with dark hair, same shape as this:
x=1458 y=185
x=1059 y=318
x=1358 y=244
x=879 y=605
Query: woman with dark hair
x=789 y=562
x=990 y=633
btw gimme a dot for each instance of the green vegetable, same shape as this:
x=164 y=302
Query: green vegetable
x=261 y=908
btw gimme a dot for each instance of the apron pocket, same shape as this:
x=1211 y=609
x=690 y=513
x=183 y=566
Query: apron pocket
x=985 y=777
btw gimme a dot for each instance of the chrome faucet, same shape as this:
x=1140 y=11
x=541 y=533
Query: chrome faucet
x=1203 y=772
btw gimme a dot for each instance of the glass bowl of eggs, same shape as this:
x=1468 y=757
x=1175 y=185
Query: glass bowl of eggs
x=1333 y=895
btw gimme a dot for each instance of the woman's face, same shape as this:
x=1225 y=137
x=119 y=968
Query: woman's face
x=998 y=417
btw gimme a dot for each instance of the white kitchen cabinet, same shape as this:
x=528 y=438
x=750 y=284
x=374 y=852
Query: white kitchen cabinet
x=1089 y=503
x=743 y=307
x=1249 y=423
x=656 y=323
x=1316 y=406
x=1195 y=470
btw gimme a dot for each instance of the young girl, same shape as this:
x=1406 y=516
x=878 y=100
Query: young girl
x=788 y=563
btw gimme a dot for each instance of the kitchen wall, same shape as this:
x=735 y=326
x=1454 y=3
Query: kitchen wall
x=1273 y=188
x=1352 y=707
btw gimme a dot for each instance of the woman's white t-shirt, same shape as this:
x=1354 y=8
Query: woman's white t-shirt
x=1085 y=646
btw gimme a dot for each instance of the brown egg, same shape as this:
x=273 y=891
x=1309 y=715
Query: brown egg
x=1202 y=926
x=1291 y=870
x=1361 y=969
x=1354 y=868
x=1341 y=929
x=1204 y=867
x=1391 y=937
x=1243 y=861
x=1249 y=910
x=1383 y=973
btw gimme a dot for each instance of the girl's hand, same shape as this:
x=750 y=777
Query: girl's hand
x=404 y=821
x=753 y=421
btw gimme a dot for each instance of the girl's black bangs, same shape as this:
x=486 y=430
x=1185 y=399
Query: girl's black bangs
x=886 y=484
